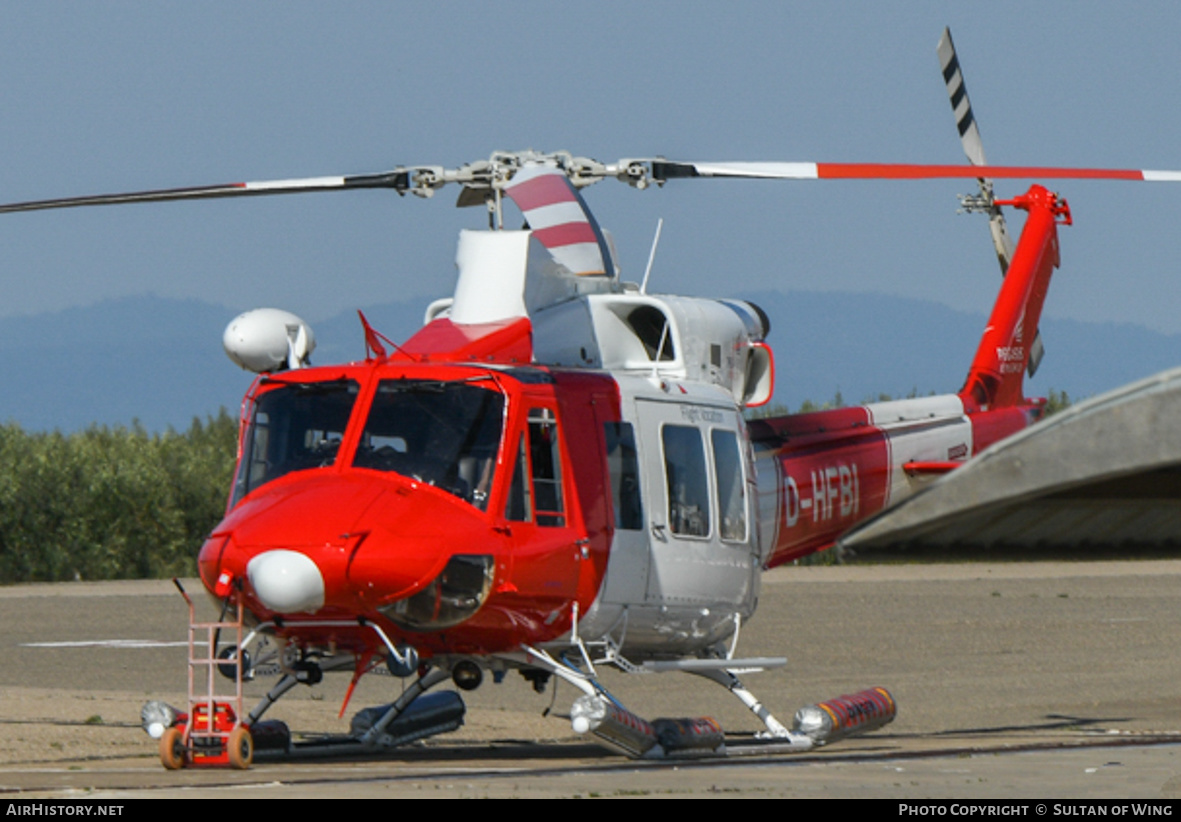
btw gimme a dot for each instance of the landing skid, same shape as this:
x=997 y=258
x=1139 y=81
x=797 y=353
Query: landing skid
x=419 y=715
x=215 y=731
x=598 y=712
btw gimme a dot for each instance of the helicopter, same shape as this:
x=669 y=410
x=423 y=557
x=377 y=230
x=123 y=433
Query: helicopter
x=554 y=473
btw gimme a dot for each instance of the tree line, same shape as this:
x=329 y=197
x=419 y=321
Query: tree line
x=111 y=503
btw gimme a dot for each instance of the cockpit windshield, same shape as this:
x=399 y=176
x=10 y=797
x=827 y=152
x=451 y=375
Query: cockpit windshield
x=295 y=426
x=442 y=433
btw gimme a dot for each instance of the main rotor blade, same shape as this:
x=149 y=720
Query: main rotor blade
x=399 y=180
x=669 y=170
x=560 y=220
x=424 y=180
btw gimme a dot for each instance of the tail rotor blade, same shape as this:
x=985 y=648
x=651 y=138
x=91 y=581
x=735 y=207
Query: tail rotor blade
x=969 y=130
x=961 y=106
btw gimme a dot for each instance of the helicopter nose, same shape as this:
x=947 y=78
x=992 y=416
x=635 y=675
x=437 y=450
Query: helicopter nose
x=336 y=544
x=286 y=582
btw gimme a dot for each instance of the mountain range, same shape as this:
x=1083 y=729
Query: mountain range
x=158 y=361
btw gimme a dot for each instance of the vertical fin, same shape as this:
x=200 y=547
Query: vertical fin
x=996 y=378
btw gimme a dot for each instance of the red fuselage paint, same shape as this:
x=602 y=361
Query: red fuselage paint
x=380 y=536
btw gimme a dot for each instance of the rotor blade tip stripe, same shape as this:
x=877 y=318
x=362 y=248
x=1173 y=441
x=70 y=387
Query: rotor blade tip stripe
x=901 y=171
x=951 y=68
x=294 y=185
x=958 y=93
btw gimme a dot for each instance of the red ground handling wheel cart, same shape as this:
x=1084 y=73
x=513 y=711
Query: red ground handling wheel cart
x=211 y=733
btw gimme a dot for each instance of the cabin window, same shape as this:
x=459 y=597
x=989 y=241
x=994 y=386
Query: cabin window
x=729 y=482
x=294 y=427
x=535 y=493
x=688 y=486
x=444 y=434
x=624 y=471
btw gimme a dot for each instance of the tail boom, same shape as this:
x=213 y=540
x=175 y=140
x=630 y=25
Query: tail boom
x=821 y=473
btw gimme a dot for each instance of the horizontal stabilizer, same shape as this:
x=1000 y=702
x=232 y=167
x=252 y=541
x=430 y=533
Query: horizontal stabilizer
x=920 y=468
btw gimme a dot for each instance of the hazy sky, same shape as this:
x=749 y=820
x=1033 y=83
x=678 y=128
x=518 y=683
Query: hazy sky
x=111 y=96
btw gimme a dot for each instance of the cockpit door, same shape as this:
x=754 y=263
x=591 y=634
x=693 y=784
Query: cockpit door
x=538 y=512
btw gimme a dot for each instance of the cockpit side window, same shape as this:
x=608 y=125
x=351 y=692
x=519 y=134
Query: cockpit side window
x=519 y=507
x=535 y=493
x=547 y=467
x=445 y=434
x=294 y=427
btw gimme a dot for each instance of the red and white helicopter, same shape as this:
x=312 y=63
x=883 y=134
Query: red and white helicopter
x=554 y=473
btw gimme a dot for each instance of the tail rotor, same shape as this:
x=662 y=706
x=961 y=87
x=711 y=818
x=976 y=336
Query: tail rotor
x=969 y=130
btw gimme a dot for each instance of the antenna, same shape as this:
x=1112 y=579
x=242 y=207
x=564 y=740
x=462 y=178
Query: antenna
x=660 y=351
x=651 y=256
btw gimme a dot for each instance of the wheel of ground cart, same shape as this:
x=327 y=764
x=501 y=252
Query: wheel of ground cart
x=172 y=749
x=240 y=748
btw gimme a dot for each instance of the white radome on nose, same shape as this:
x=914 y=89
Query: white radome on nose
x=286 y=582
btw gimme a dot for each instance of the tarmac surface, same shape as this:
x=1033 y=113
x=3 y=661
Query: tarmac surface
x=1014 y=680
